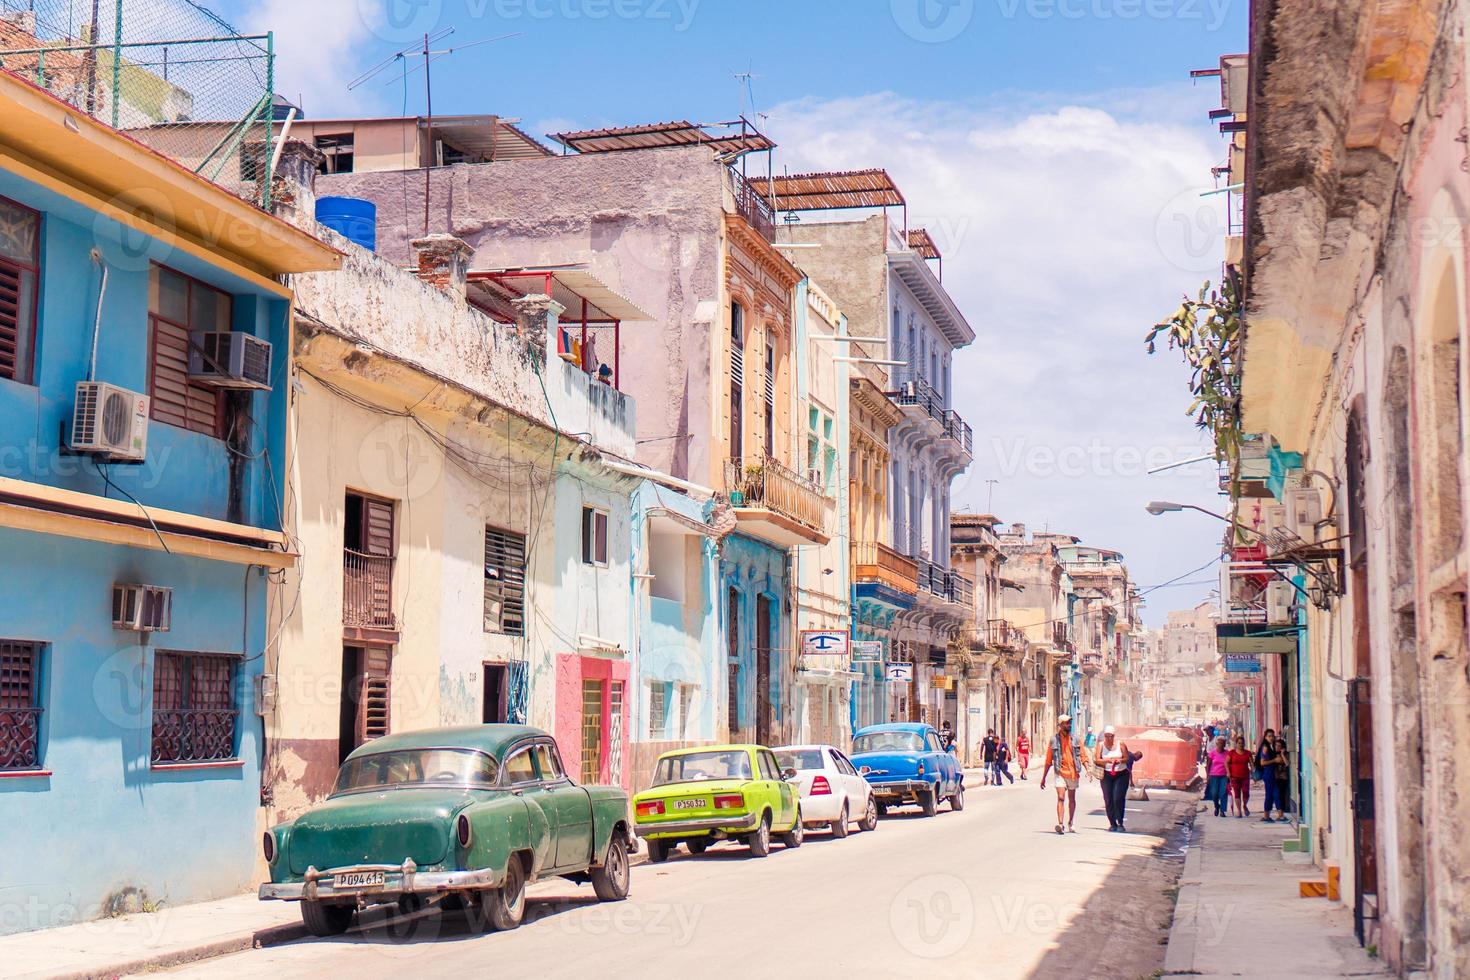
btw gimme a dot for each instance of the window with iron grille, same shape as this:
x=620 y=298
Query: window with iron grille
x=20 y=266
x=177 y=306
x=505 y=582
x=194 y=712
x=20 y=708
x=658 y=709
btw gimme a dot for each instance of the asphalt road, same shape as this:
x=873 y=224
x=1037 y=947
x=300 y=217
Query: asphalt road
x=990 y=891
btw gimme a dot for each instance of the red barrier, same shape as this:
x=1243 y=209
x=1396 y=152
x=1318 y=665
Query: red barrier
x=1170 y=755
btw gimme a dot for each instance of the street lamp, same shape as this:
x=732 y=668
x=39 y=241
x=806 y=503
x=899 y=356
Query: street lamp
x=1158 y=507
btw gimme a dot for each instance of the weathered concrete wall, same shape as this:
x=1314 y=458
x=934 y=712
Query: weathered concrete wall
x=647 y=223
x=850 y=267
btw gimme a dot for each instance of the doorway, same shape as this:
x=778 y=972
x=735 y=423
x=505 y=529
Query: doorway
x=363 y=712
x=494 y=695
x=764 y=642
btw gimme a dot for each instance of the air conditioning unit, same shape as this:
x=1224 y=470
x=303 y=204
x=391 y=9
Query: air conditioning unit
x=229 y=359
x=1304 y=513
x=1273 y=516
x=1279 y=599
x=142 y=608
x=109 y=421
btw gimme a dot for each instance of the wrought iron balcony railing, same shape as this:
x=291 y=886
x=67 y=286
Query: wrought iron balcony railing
x=769 y=484
x=367 y=590
x=958 y=429
x=918 y=393
x=749 y=204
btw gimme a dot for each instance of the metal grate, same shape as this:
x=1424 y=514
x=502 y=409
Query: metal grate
x=505 y=582
x=20 y=715
x=194 y=714
x=591 y=730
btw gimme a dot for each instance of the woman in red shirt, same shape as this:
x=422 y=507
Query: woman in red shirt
x=1238 y=768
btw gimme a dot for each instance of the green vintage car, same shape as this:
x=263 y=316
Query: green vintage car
x=467 y=814
x=714 y=793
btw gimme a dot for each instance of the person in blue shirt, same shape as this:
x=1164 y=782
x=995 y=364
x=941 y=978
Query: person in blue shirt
x=1091 y=740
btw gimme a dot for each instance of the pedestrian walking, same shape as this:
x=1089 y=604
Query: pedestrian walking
x=1238 y=768
x=1114 y=758
x=1023 y=752
x=988 y=757
x=1218 y=776
x=946 y=736
x=1283 y=779
x=1003 y=762
x=1091 y=741
x=1266 y=767
x=1064 y=755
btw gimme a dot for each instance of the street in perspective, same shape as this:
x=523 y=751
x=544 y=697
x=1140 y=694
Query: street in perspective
x=959 y=488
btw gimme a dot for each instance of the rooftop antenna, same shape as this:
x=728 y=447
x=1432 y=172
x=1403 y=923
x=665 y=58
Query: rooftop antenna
x=423 y=50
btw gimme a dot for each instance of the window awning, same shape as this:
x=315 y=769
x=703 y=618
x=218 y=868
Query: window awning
x=743 y=138
x=571 y=286
x=834 y=191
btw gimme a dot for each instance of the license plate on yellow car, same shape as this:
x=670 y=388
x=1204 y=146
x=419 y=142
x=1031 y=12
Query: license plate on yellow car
x=696 y=804
x=357 y=879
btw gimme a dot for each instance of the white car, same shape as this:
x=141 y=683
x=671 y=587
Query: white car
x=833 y=792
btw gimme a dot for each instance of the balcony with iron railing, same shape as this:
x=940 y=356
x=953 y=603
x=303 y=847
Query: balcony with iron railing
x=778 y=502
x=193 y=734
x=959 y=589
x=873 y=561
x=1061 y=637
x=1092 y=663
x=959 y=430
x=920 y=395
x=751 y=206
x=367 y=591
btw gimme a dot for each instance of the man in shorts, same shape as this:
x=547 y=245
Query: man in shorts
x=1065 y=755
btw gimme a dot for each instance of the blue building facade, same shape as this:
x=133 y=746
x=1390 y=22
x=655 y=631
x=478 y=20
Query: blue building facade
x=759 y=654
x=136 y=622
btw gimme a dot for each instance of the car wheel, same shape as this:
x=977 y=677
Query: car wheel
x=505 y=906
x=760 y=841
x=658 y=851
x=839 y=826
x=870 y=816
x=612 y=880
x=957 y=801
x=929 y=801
x=326 y=920
x=797 y=833
x=697 y=845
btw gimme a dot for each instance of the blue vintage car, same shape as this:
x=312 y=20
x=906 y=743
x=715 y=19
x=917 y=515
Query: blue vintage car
x=906 y=763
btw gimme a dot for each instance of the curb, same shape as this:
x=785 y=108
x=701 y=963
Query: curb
x=258 y=939
x=1184 y=929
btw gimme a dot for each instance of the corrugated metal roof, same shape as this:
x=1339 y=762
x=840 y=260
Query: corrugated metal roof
x=835 y=191
x=676 y=133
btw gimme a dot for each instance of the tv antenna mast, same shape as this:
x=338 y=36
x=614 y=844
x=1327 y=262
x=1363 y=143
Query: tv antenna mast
x=423 y=50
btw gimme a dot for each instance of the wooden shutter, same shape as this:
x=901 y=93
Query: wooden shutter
x=377 y=528
x=11 y=302
x=374 y=695
x=195 y=306
x=505 y=582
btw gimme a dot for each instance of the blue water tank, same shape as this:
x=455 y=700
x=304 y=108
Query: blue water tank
x=352 y=218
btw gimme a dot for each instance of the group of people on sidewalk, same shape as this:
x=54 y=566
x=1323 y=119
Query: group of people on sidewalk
x=1231 y=770
x=1073 y=760
x=996 y=757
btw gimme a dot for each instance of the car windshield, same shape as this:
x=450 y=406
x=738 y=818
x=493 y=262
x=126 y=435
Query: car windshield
x=800 y=758
x=888 y=742
x=417 y=767
x=691 y=766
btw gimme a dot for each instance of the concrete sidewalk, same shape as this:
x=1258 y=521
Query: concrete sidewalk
x=1239 y=913
x=149 y=940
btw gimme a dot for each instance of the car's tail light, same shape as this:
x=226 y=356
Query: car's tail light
x=463 y=831
x=820 y=787
x=921 y=769
x=653 y=808
x=268 y=844
x=729 y=801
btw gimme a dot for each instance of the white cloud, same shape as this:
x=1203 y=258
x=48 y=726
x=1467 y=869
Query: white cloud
x=1048 y=216
x=319 y=45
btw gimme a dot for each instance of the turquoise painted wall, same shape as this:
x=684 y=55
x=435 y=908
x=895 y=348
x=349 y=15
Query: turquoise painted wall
x=754 y=569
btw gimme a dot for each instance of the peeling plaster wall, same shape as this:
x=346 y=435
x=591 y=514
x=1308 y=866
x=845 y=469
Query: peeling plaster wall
x=647 y=223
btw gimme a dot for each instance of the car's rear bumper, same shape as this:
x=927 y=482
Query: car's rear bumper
x=397 y=880
x=901 y=788
x=825 y=808
x=728 y=826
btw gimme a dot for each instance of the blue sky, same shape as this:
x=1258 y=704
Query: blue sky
x=1057 y=150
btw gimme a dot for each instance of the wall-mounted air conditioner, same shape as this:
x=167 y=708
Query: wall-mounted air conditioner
x=142 y=608
x=109 y=421
x=1304 y=513
x=1279 y=599
x=229 y=359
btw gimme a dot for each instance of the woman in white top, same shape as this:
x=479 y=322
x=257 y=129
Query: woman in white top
x=1113 y=757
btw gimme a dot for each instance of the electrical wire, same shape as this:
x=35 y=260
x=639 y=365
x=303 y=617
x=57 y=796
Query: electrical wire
x=107 y=479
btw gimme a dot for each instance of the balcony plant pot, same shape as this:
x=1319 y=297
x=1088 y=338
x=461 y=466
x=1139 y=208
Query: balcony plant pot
x=737 y=498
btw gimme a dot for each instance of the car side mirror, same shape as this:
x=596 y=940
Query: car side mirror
x=864 y=770
x=788 y=773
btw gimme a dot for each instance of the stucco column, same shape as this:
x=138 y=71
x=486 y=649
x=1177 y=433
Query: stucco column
x=443 y=261
x=537 y=319
x=293 y=193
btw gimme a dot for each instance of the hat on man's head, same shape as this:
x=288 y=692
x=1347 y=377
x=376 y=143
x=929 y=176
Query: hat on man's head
x=1110 y=730
x=1064 y=718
